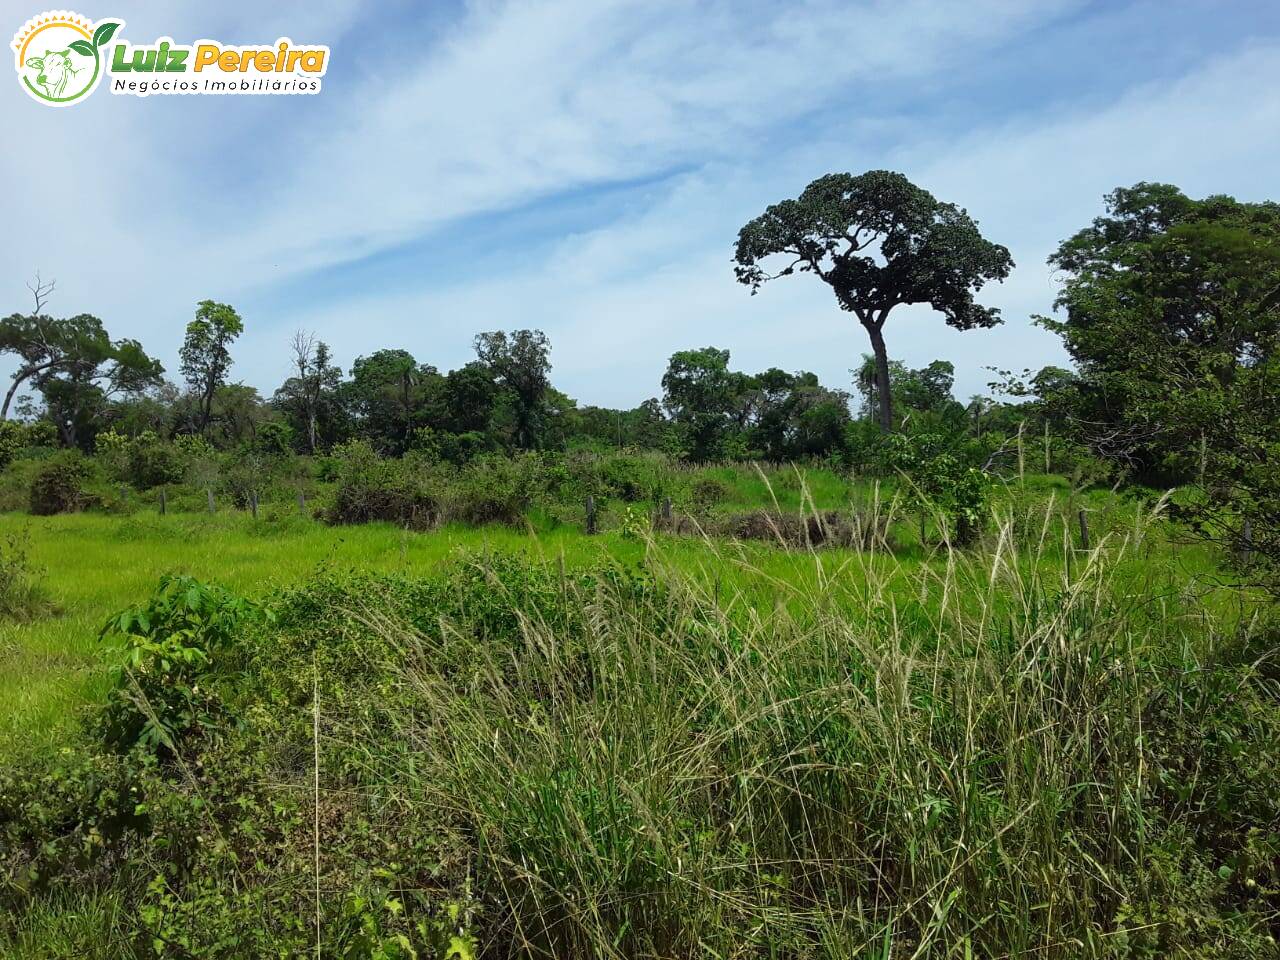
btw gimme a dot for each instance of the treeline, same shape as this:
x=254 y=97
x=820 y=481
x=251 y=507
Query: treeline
x=1169 y=308
x=85 y=388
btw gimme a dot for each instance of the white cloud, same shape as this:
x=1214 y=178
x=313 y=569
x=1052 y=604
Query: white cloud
x=618 y=300
x=142 y=207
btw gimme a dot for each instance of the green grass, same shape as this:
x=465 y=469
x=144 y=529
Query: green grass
x=95 y=564
x=1020 y=749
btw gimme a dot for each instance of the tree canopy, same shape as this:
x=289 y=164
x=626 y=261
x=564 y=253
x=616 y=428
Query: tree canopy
x=206 y=354
x=879 y=241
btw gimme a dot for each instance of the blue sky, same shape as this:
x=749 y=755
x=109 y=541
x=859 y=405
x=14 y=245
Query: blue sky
x=583 y=167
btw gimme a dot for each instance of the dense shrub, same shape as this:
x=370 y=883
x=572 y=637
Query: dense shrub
x=16 y=437
x=635 y=477
x=370 y=487
x=273 y=439
x=60 y=485
x=707 y=491
x=493 y=489
x=942 y=480
x=145 y=461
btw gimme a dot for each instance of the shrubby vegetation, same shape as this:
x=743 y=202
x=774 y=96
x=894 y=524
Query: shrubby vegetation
x=519 y=760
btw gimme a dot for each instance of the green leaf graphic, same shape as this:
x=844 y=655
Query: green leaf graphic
x=82 y=47
x=104 y=33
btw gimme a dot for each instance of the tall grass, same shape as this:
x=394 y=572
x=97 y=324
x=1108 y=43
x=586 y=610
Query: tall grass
x=959 y=769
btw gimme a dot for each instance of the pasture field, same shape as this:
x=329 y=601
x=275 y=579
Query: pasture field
x=495 y=741
x=95 y=564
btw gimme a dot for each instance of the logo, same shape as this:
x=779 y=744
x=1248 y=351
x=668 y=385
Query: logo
x=61 y=57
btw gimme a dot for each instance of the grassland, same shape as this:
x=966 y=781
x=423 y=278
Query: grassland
x=716 y=749
x=94 y=564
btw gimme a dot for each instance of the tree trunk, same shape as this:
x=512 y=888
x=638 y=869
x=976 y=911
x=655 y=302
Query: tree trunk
x=206 y=407
x=20 y=377
x=882 y=376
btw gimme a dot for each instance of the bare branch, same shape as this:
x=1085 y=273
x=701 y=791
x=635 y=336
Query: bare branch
x=40 y=291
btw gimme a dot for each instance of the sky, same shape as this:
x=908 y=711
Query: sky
x=584 y=167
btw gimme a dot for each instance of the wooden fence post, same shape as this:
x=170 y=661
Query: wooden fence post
x=591 y=514
x=163 y=504
x=1084 y=530
x=209 y=492
x=253 y=503
x=1022 y=459
x=302 y=503
x=666 y=511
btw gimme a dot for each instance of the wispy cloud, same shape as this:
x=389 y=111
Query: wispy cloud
x=705 y=112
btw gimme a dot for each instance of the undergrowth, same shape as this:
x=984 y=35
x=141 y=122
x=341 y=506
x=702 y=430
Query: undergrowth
x=1016 y=751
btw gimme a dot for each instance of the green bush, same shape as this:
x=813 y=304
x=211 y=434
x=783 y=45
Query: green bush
x=59 y=485
x=941 y=480
x=707 y=491
x=164 y=646
x=274 y=439
x=636 y=477
x=370 y=487
x=144 y=461
x=493 y=489
x=14 y=438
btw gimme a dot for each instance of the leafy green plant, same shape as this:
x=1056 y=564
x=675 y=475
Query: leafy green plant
x=493 y=490
x=942 y=481
x=16 y=437
x=370 y=488
x=636 y=523
x=164 y=647
x=145 y=461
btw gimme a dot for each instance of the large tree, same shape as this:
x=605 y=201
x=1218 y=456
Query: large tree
x=76 y=394
x=72 y=359
x=1171 y=309
x=387 y=393
x=704 y=398
x=1165 y=302
x=206 y=354
x=467 y=398
x=521 y=362
x=310 y=390
x=878 y=241
x=73 y=364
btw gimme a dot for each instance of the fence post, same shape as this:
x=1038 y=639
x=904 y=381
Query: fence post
x=253 y=503
x=666 y=511
x=1246 y=554
x=1022 y=460
x=1084 y=530
x=591 y=514
x=163 y=504
x=302 y=503
x=209 y=492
